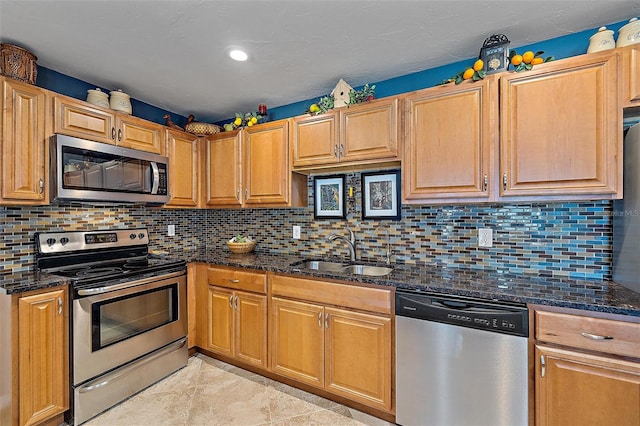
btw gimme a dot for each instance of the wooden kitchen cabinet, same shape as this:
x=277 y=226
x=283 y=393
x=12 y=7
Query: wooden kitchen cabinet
x=367 y=133
x=631 y=75
x=183 y=151
x=34 y=355
x=83 y=120
x=587 y=370
x=560 y=129
x=319 y=337
x=24 y=161
x=450 y=140
x=250 y=168
x=237 y=315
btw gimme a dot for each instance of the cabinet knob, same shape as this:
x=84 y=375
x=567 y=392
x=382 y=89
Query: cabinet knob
x=335 y=151
x=41 y=183
x=485 y=183
x=246 y=194
x=504 y=181
x=113 y=133
x=119 y=135
x=238 y=194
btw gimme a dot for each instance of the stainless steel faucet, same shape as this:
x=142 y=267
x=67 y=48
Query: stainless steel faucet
x=351 y=242
x=388 y=252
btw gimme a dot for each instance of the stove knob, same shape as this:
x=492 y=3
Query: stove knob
x=132 y=236
x=51 y=241
x=64 y=240
x=141 y=235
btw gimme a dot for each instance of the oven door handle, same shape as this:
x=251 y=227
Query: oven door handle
x=118 y=374
x=110 y=288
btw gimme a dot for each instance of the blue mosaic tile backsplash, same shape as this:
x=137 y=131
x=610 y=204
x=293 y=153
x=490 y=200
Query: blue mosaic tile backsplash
x=555 y=239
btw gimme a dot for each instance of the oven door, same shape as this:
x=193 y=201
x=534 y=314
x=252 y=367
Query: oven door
x=117 y=325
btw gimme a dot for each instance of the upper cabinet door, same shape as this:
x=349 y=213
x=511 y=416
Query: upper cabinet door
x=184 y=168
x=24 y=145
x=77 y=118
x=137 y=133
x=449 y=138
x=315 y=140
x=631 y=75
x=369 y=131
x=266 y=163
x=561 y=129
x=223 y=170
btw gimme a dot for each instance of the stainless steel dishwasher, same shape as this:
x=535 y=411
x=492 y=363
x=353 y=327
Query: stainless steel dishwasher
x=460 y=361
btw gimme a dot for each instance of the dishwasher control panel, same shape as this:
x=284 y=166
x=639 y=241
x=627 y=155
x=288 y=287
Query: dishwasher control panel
x=498 y=317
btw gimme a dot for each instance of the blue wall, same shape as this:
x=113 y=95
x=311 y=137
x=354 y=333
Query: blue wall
x=560 y=47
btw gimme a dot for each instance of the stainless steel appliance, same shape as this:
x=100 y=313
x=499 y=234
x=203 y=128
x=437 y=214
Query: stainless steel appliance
x=626 y=217
x=83 y=170
x=129 y=313
x=460 y=361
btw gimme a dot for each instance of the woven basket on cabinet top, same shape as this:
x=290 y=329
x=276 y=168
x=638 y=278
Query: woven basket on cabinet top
x=241 y=247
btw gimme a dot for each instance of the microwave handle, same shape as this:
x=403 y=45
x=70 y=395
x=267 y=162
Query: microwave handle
x=156 y=177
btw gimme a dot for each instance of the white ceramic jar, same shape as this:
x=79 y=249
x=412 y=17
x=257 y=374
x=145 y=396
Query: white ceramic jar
x=629 y=34
x=602 y=40
x=120 y=101
x=98 y=97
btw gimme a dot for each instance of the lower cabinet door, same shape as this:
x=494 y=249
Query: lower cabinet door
x=220 y=321
x=573 y=388
x=297 y=340
x=43 y=356
x=251 y=328
x=358 y=357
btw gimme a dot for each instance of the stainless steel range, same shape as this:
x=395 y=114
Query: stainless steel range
x=129 y=313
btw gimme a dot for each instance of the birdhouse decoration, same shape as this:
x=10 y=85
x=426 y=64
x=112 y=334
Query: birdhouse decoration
x=341 y=93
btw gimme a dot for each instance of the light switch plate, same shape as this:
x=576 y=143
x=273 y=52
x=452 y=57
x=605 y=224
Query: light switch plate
x=171 y=230
x=296 y=232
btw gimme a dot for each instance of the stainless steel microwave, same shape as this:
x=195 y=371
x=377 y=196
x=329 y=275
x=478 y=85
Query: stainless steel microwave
x=83 y=170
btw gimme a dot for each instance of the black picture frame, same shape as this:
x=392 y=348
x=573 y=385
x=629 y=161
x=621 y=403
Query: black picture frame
x=329 y=197
x=495 y=53
x=381 y=195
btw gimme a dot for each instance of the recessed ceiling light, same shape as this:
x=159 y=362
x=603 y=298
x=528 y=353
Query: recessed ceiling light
x=238 y=55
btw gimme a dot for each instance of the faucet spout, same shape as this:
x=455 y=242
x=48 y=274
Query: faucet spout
x=351 y=242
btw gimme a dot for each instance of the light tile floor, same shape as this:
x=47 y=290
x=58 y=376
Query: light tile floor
x=210 y=392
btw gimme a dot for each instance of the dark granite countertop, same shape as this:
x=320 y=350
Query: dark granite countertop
x=590 y=295
x=21 y=282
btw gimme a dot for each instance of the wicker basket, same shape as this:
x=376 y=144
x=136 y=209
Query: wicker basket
x=202 y=129
x=18 y=63
x=240 y=248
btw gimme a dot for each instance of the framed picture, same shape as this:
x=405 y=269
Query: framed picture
x=494 y=53
x=329 y=197
x=381 y=195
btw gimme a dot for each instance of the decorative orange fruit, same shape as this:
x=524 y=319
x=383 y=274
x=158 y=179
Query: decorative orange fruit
x=537 y=60
x=468 y=73
x=527 y=57
x=478 y=65
x=516 y=60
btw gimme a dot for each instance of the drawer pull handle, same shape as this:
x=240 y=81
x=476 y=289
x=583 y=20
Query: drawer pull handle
x=231 y=301
x=59 y=305
x=320 y=319
x=326 y=321
x=543 y=366
x=596 y=336
x=231 y=280
x=236 y=303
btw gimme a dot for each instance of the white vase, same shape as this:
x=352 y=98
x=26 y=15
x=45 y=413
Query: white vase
x=120 y=101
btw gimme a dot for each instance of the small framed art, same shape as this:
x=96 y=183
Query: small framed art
x=381 y=195
x=329 y=197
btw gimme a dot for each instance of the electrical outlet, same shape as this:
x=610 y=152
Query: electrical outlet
x=485 y=237
x=296 y=232
x=171 y=230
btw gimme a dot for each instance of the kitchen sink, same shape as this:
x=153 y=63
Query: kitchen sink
x=343 y=268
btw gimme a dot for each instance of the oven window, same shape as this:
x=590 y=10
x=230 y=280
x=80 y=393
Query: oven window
x=115 y=320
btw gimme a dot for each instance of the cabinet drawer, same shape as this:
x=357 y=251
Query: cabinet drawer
x=238 y=280
x=356 y=297
x=622 y=338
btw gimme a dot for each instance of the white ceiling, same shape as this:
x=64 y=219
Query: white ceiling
x=172 y=54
